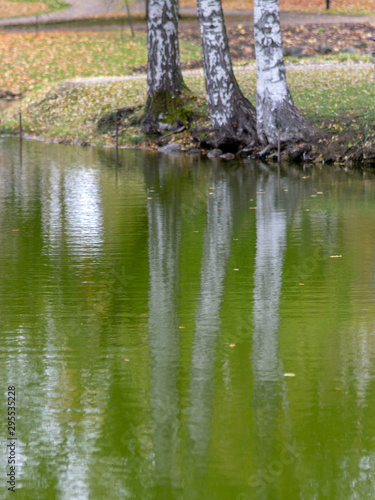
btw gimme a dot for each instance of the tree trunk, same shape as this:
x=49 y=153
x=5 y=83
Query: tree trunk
x=164 y=76
x=129 y=18
x=275 y=108
x=232 y=115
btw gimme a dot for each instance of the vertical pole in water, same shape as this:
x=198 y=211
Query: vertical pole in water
x=116 y=133
x=20 y=127
x=20 y=133
x=278 y=158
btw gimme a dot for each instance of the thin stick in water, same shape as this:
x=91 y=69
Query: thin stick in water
x=20 y=125
x=116 y=134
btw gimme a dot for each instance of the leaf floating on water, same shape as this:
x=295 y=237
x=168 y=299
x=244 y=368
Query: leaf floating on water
x=232 y=345
x=335 y=256
x=289 y=374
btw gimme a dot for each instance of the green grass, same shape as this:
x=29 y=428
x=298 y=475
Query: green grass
x=339 y=57
x=336 y=100
x=30 y=62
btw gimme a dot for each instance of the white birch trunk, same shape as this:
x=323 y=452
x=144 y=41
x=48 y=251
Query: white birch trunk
x=275 y=108
x=164 y=76
x=232 y=115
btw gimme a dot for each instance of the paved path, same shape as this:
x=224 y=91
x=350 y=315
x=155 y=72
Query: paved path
x=295 y=18
x=88 y=8
x=249 y=68
x=78 y=10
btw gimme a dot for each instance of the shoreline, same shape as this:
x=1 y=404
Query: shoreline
x=81 y=112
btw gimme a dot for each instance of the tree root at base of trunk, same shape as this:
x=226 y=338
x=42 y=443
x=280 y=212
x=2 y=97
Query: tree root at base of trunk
x=284 y=119
x=165 y=112
x=240 y=129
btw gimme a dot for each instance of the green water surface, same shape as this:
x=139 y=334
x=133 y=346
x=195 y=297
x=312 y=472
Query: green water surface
x=185 y=329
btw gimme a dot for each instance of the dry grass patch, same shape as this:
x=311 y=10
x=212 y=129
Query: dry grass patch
x=17 y=9
x=354 y=7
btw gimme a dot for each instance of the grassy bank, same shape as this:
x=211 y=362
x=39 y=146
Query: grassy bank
x=30 y=62
x=338 y=101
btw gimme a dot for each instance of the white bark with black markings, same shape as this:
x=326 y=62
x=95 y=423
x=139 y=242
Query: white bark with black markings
x=232 y=115
x=275 y=108
x=164 y=76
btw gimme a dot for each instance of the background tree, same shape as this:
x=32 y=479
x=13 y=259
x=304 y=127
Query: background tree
x=232 y=115
x=164 y=76
x=275 y=108
x=119 y=5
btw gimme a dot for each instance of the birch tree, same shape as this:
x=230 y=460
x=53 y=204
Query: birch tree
x=232 y=115
x=274 y=104
x=164 y=76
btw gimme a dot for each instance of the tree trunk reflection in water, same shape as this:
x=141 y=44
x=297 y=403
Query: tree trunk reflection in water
x=164 y=246
x=217 y=245
x=271 y=240
x=269 y=393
